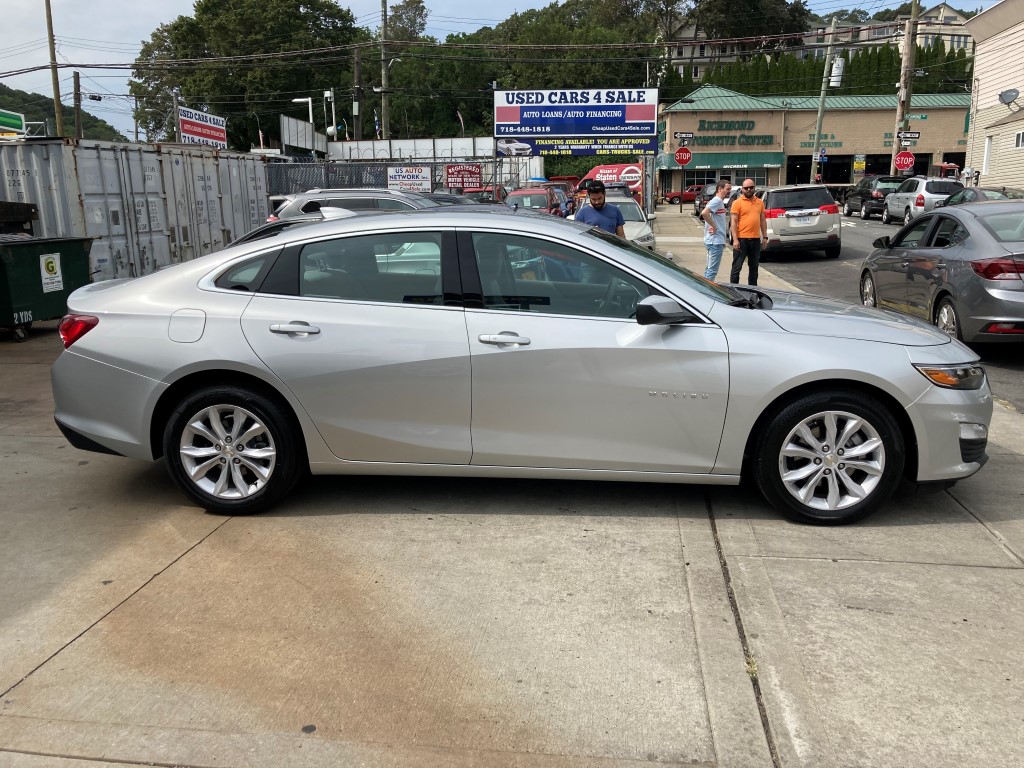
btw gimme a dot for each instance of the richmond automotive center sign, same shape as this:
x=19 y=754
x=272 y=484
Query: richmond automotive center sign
x=579 y=122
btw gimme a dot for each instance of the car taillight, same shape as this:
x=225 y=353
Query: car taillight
x=999 y=269
x=74 y=327
x=271 y=218
x=775 y=213
x=833 y=208
x=919 y=203
x=876 y=194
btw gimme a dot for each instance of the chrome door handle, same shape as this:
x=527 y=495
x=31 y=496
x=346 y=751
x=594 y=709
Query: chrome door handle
x=294 y=327
x=505 y=337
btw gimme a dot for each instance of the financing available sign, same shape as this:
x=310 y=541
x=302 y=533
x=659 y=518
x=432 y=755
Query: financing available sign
x=577 y=122
x=195 y=127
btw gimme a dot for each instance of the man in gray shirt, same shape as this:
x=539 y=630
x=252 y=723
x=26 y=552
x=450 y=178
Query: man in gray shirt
x=715 y=224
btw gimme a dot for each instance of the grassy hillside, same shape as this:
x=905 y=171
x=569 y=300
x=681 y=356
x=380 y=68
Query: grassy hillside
x=37 y=108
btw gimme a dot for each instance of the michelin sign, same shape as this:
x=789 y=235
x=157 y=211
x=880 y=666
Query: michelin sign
x=577 y=122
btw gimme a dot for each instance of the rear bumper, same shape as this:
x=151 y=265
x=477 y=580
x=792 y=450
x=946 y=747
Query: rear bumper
x=817 y=243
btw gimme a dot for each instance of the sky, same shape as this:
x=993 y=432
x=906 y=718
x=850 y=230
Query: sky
x=111 y=31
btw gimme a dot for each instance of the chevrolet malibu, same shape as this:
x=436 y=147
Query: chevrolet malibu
x=432 y=343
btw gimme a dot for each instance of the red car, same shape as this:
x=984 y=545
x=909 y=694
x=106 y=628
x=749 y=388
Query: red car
x=536 y=199
x=688 y=195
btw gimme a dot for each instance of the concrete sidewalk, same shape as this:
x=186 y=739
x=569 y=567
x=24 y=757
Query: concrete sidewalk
x=682 y=235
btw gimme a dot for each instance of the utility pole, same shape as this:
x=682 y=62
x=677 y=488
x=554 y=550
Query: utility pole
x=357 y=96
x=78 y=106
x=906 y=82
x=821 y=100
x=59 y=116
x=174 y=108
x=384 y=97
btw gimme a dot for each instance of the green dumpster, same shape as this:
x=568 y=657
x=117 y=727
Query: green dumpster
x=37 y=274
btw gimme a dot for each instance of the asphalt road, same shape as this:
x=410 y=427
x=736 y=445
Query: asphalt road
x=839 y=278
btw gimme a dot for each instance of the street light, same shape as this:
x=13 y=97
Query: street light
x=309 y=101
x=334 y=118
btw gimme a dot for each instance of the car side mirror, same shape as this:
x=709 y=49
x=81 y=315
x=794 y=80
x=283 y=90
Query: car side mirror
x=652 y=216
x=661 y=310
x=939 y=203
x=882 y=242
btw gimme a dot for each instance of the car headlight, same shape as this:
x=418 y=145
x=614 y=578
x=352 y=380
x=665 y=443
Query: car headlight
x=967 y=376
x=645 y=237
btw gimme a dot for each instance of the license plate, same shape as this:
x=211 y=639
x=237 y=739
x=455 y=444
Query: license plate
x=801 y=221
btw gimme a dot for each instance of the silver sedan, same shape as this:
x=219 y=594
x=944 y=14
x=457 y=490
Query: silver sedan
x=462 y=343
x=960 y=267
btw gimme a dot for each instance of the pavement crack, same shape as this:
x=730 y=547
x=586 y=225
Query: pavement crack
x=999 y=539
x=128 y=597
x=102 y=760
x=748 y=657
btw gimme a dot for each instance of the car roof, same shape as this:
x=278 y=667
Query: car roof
x=788 y=187
x=530 y=190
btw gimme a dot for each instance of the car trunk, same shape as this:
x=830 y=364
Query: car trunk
x=800 y=212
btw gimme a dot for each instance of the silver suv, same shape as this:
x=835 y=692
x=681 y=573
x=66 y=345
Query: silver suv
x=802 y=217
x=915 y=196
x=351 y=199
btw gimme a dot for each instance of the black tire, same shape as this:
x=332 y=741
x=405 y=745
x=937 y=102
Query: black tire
x=873 y=420
x=886 y=216
x=274 y=435
x=907 y=217
x=868 y=295
x=833 y=252
x=947 y=319
x=847 y=209
x=865 y=214
x=674 y=200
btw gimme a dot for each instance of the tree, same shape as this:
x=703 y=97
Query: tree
x=242 y=91
x=407 y=20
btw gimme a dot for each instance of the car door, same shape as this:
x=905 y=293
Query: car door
x=563 y=376
x=931 y=262
x=892 y=263
x=858 y=197
x=897 y=203
x=372 y=342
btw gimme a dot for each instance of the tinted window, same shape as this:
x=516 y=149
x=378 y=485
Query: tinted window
x=911 y=238
x=524 y=274
x=393 y=204
x=949 y=233
x=943 y=187
x=887 y=185
x=909 y=185
x=310 y=206
x=354 y=203
x=248 y=275
x=812 y=197
x=402 y=268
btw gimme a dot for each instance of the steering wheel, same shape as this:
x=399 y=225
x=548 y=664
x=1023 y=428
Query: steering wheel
x=607 y=302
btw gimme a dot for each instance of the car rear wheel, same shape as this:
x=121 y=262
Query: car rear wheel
x=830 y=458
x=865 y=214
x=847 y=209
x=674 y=200
x=886 y=216
x=867 y=290
x=232 y=450
x=947 y=319
x=833 y=252
x=907 y=216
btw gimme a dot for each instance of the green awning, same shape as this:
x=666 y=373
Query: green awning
x=723 y=160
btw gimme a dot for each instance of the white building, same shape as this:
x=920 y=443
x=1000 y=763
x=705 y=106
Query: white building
x=995 y=146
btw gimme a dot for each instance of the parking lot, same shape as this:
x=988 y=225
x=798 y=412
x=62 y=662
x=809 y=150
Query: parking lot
x=450 y=622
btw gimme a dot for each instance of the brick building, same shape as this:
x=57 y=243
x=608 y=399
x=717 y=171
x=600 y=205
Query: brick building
x=771 y=138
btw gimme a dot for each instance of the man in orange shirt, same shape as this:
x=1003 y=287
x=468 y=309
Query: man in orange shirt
x=749 y=233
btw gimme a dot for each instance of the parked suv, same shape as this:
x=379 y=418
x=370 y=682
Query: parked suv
x=868 y=196
x=351 y=199
x=802 y=218
x=915 y=196
x=701 y=200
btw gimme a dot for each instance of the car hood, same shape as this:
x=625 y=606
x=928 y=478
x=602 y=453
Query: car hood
x=635 y=229
x=820 y=316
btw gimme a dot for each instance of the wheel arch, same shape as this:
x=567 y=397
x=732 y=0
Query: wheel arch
x=824 y=387
x=197 y=380
x=940 y=294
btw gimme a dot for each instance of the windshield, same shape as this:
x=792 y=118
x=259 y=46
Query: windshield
x=668 y=267
x=527 y=201
x=630 y=209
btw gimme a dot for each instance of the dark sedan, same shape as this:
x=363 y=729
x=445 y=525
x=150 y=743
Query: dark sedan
x=980 y=194
x=960 y=267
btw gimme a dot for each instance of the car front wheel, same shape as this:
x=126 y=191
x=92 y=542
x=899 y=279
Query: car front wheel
x=907 y=216
x=867 y=290
x=886 y=216
x=232 y=450
x=830 y=458
x=847 y=209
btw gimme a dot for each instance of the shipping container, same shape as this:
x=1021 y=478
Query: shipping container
x=147 y=205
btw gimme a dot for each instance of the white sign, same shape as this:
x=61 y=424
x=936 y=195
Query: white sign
x=409 y=178
x=196 y=127
x=49 y=269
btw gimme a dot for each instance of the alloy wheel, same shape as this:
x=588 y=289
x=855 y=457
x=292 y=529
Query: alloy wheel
x=867 y=290
x=227 y=452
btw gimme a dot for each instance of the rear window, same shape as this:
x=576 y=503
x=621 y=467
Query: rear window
x=888 y=184
x=943 y=187
x=1005 y=227
x=789 y=199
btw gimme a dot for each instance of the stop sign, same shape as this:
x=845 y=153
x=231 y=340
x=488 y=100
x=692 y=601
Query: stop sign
x=903 y=161
x=683 y=155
